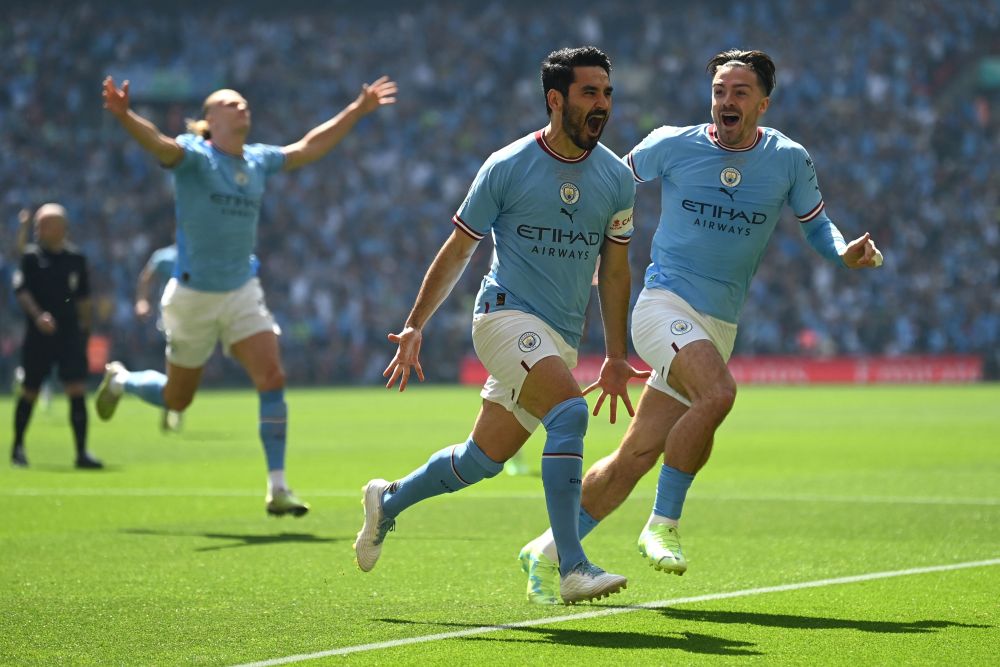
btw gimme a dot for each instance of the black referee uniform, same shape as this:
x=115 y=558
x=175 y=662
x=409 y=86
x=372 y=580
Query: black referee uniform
x=54 y=283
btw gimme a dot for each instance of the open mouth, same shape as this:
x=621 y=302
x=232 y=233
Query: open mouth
x=729 y=119
x=596 y=122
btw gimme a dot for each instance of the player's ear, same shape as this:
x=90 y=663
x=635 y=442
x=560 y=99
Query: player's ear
x=554 y=99
x=764 y=104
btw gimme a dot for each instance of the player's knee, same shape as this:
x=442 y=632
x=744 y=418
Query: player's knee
x=568 y=418
x=471 y=463
x=717 y=400
x=273 y=378
x=723 y=397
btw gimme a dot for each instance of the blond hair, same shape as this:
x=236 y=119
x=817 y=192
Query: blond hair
x=199 y=127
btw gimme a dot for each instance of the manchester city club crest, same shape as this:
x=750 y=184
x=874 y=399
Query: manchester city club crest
x=569 y=193
x=680 y=327
x=529 y=341
x=730 y=177
x=241 y=178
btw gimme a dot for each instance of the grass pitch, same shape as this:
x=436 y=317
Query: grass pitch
x=167 y=556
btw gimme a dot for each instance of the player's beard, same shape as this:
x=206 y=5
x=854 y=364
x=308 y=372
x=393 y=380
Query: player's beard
x=575 y=126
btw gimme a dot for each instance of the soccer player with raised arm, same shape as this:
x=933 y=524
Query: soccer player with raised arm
x=554 y=201
x=214 y=293
x=723 y=186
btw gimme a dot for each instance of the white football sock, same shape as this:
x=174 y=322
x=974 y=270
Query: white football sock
x=276 y=480
x=656 y=519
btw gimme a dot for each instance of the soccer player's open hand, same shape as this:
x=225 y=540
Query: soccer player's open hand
x=862 y=253
x=115 y=99
x=407 y=356
x=615 y=375
x=374 y=95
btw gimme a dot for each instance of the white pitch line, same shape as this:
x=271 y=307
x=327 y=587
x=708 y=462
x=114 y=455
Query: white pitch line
x=487 y=495
x=871 y=576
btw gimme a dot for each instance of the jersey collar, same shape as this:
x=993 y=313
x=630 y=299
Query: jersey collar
x=713 y=136
x=545 y=147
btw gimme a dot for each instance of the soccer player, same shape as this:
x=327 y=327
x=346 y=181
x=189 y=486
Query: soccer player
x=52 y=286
x=219 y=180
x=554 y=200
x=723 y=186
x=159 y=267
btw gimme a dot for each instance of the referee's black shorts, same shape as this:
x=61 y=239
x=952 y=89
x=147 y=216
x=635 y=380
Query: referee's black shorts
x=40 y=352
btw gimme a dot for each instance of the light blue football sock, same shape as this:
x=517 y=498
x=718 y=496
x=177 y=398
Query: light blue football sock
x=585 y=523
x=446 y=471
x=562 y=477
x=273 y=427
x=671 y=490
x=147 y=385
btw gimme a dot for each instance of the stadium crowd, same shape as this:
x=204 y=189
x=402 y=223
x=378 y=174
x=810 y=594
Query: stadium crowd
x=887 y=97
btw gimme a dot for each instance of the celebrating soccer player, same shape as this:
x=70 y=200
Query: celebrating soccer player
x=214 y=293
x=723 y=187
x=554 y=201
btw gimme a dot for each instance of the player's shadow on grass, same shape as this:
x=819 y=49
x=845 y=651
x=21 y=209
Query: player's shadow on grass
x=690 y=642
x=810 y=622
x=70 y=468
x=241 y=540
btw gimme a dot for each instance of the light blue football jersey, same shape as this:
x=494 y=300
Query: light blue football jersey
x=719 y=207
x=218 y=199
x=549 y=216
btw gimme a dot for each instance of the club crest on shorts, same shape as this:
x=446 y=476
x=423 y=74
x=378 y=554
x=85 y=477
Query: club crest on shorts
x=569 y=193
x=680 y=327
x=730 y=177
x=529 y=341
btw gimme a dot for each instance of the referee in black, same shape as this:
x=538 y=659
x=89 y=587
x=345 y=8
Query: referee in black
x=53 y=289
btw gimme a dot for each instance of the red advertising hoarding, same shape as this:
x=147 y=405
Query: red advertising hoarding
x=804 y=370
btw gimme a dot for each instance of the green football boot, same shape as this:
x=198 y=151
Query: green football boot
x=543 y=575
x=660 y=545
x=284 y=501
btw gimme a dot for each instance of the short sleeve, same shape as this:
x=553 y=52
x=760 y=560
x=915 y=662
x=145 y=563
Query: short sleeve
x=645 y=160
x=482 y=204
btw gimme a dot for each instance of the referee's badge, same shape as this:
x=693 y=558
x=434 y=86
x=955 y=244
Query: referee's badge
x=730 y=177
x=680 y=327
x=528 y=341
x=569 y=193
x=73 y=281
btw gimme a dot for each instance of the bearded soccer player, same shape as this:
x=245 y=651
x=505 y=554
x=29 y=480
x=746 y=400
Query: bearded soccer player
x=555 y=201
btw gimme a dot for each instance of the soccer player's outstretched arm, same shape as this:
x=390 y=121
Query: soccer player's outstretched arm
x=614 y=281
x=321 y=139
x=116 y=100
x=441 y=277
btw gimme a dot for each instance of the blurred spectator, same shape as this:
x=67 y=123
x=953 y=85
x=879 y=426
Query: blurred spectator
x=906 y=142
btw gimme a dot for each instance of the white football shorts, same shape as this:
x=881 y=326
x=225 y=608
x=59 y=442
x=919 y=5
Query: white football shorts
x=663 y=323
x=194 y=321
x=510 y=343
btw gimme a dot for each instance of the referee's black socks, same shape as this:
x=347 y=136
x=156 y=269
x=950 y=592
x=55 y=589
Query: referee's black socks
x=22 y=415
x=78 y=418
